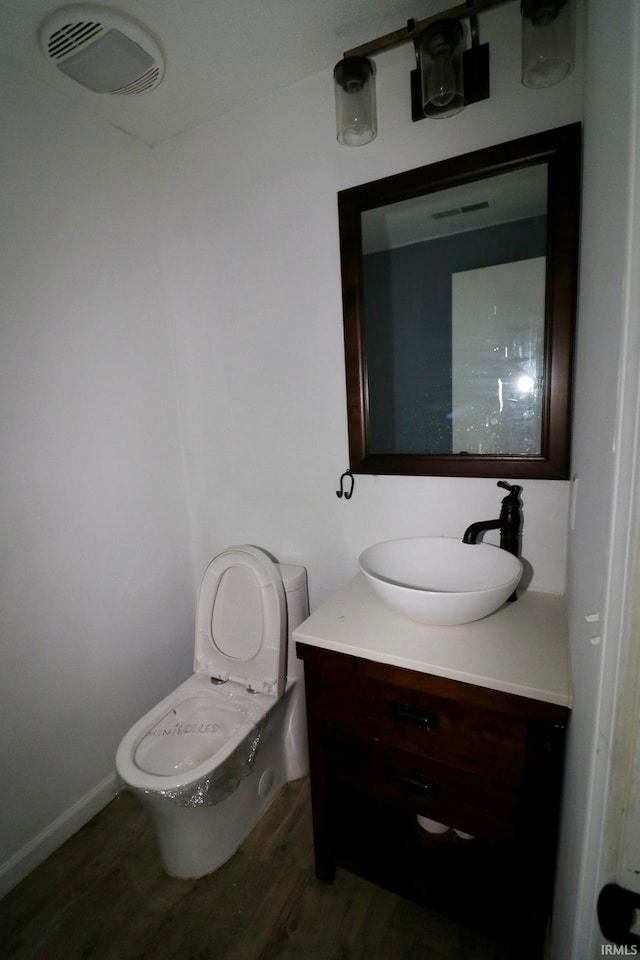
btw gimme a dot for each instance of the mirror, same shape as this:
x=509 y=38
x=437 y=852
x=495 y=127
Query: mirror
x=458 y=284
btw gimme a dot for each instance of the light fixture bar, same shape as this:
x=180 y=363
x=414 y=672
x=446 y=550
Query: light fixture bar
x=415 y=28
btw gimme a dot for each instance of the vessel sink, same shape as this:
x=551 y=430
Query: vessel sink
x=440 y=580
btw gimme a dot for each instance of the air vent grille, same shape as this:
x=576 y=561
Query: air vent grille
x=104 y=50
x=471 y=207
x=72 y=37
x=442 y=214
x=145 y=82
x=464 y=208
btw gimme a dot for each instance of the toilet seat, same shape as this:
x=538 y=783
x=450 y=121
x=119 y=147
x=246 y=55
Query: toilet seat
x=241 y=621
x=163 y=752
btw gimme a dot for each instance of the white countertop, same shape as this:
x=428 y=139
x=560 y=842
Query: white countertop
x=521 y=649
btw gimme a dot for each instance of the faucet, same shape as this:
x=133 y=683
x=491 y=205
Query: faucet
x=509 y=522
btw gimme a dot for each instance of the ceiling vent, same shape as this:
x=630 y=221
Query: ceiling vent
x=464 y=208
x=103 y=50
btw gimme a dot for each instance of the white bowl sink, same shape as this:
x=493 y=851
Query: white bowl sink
x=439 y=580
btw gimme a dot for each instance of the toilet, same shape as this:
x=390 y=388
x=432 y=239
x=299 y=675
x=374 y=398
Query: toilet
x=208 y=760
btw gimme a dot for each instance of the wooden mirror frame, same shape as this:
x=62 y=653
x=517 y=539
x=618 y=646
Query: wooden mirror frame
x=560 y=149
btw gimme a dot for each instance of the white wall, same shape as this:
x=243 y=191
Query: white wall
x=605 y=437
x=255 y=305
x=96 y=591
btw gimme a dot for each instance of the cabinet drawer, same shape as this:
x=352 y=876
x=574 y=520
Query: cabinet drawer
x=470 y=803
x=444 y=728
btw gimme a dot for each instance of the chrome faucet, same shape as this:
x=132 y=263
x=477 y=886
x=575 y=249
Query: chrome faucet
x=509 y=523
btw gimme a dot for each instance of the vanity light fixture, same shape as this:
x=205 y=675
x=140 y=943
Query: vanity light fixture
x=547 y=42
x=355 y=87
x=448 y=77
x=439 y=54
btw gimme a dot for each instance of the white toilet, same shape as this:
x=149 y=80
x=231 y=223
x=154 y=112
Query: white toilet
x=209 y=758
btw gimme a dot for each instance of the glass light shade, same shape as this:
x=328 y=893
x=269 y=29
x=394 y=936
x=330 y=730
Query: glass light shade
x=441 y=69
x=547 y=42
x=355 y=90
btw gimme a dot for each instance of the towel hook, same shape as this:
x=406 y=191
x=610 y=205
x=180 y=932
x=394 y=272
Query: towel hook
x=347 y=494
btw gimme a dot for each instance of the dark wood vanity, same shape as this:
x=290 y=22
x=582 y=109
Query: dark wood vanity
x=388 y=743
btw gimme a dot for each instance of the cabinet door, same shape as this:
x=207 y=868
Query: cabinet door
x=473 y=804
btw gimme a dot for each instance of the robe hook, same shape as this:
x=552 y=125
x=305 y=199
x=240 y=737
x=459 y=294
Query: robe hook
x=347 y=494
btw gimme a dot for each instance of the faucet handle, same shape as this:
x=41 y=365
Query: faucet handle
x=514 y=489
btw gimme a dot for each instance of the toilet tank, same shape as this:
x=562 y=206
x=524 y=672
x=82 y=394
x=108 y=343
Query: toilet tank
x=294 y=579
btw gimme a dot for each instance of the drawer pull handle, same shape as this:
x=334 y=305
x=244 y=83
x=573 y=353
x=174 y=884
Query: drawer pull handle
x=415 y=783
x=424 y=719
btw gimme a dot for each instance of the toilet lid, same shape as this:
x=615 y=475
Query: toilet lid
x=241 y=621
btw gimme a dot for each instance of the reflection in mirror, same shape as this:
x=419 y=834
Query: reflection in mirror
x=459 y=299
x=454 y=286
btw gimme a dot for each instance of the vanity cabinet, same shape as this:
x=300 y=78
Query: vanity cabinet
x=388 y=743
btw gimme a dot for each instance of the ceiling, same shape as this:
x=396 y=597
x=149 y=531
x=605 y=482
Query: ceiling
x=220 y=54
x=516 y=195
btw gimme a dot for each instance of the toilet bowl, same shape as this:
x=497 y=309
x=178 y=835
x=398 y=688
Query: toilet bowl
x=209 y=758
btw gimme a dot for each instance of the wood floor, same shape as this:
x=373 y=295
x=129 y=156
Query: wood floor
x=103 y=895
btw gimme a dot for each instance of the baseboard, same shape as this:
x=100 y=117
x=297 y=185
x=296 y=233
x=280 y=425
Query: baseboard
x=17 y=867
